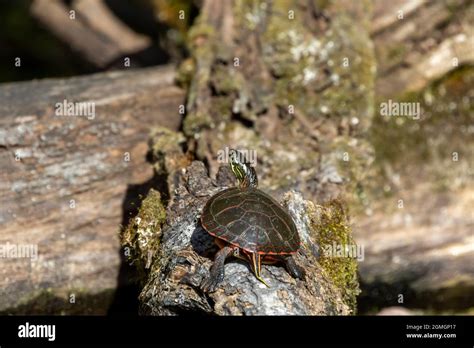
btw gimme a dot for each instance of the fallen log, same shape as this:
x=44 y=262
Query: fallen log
x=426 y=251
x=68 y=182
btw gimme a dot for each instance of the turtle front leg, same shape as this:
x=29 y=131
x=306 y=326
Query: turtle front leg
x=217 y=269
x=292 y=268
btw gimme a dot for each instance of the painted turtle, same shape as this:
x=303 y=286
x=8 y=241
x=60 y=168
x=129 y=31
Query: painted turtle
x=248 y=223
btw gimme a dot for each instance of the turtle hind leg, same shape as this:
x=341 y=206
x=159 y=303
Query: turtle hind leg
x=292 y=268
x=257 y=263
x=217 y=270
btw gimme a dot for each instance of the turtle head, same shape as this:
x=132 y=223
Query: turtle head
x=243 y=171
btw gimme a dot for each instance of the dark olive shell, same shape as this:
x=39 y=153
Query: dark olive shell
x=251 y=220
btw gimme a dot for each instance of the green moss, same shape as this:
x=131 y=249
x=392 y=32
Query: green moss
x=199 y=30
x=226 y=80
x=202 y=46
x=221 y=109
x=195 y=122
x=164 y=141
x=300 y=61
x=333 y=230
x=354 y=159
x=141 y=238
x=185 y=73
x=168 y=12
x=397 y=52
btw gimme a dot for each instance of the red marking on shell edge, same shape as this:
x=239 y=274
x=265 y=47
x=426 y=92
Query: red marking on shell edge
x=252 y=251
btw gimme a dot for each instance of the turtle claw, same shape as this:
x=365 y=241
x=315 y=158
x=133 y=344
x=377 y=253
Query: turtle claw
x=210 y=284
x=295 y=270
x=263 y=281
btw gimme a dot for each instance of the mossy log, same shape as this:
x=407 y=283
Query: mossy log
x=69 y=182
x=176 y=266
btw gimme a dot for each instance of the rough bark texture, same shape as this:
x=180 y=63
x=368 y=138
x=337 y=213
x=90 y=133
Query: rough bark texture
x=66 y=184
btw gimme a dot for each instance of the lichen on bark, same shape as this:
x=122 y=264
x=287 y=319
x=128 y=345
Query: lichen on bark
x=141 y=237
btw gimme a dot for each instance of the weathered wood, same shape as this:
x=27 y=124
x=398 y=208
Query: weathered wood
x=67 y=184
x=423 y=252
x=92 y=30
x=420 y=254
x=417 y=42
